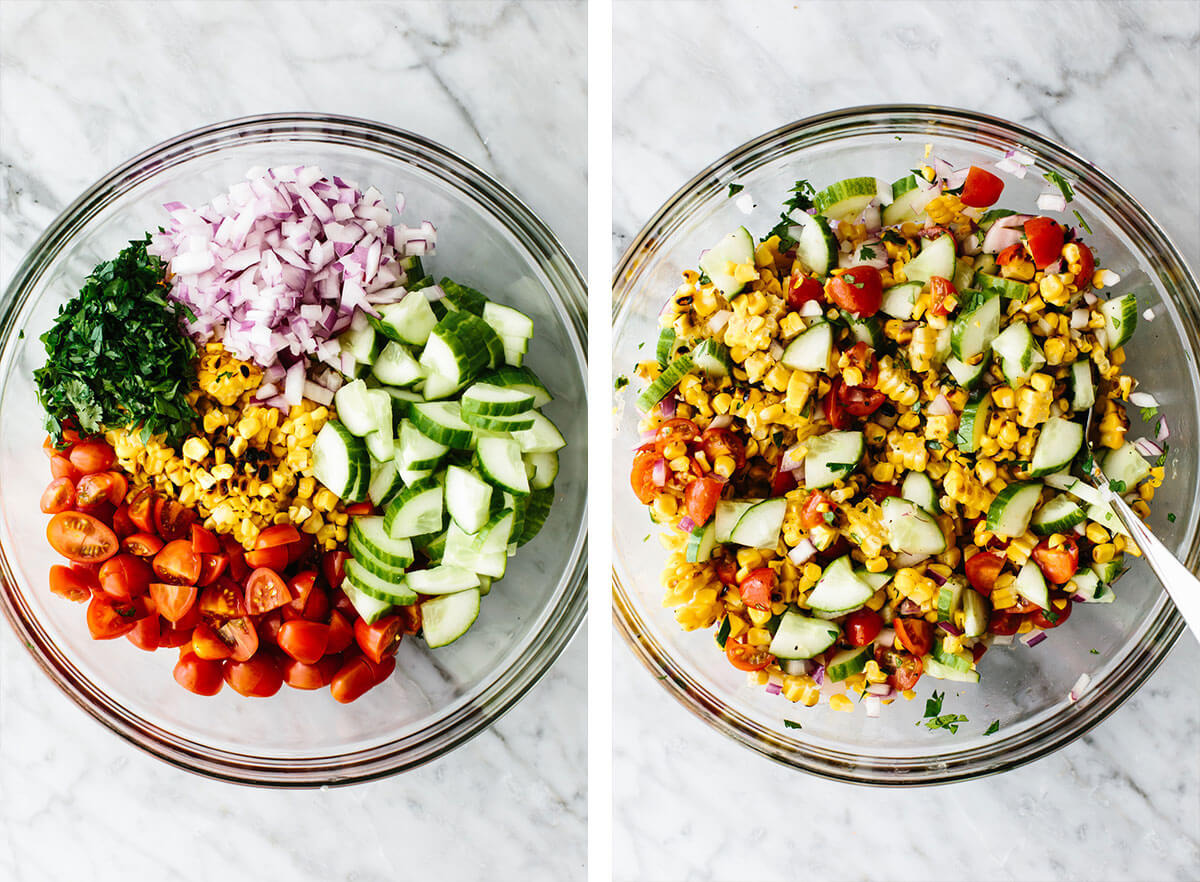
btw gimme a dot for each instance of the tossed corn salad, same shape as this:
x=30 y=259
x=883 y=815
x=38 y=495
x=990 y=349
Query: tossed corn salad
x=860 y=431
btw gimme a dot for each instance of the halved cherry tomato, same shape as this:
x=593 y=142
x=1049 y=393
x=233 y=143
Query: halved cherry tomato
x=1023 y=605
x=410 y=618
x=60 y=467
x=383 y=669
x=745 y=657
x=208 y=645
x=173 y=521
x=858 y=290
x=757 y=587
x=641 y=478
x=145 y=634
x=107 y=621
x=782 y=482
x=1016 y=251
x=816 y=506
x=224 y=599
x=915 y=635
x=981 y=188
x=92 y=455
x=1044 y=237
x=880 y=492
x=173 y=601
x=300 y=586
x=141 y=509
x=69 y=583
x=862 y=626
x=723 y=442
x=676 y=430
x=259 y=677
x=355 y=677
x=341 y=632
x=907 y=672
x=862 y=356
x=121 y=524
x=170 y=637
x=982 y=570
x=802 y=288
x=212 y=566
x=274 y=557
x=125 y=576
x=298 y=551
x=1058 y=565
x=859 y=401
x=142 y=544
x=303 y=640
x=835 y=412
x=203 y=541
x=360 y=509
x=81 y=537
x=238 y=568
x=380 y=639
x=279 y=534
x=268 y=628
x=58 y=496
x=333 y=567
x=265 y=591
x=701 y=497
x=940 y=292
x=1050 y=618
x=300 y=675
x=1003 y=622
x=1087 y=267
x=726 y=571
x=195 y=674
x=316 y=607
x=839 y=548
x=240 y=636
x=100 y=487
x=177 y=563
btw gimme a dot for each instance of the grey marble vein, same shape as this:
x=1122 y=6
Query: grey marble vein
x=1118 y=82
x=85 y=85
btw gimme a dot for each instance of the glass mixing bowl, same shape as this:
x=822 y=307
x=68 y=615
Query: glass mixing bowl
x=437 y=699
x=1026 y=689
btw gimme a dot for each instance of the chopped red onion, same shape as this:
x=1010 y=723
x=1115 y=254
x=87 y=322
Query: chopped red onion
x=795 y=666
x=791 y=459
x=1079 y=688
x=1012 y=167
x=1143 y=399
x=1147 y=448
x=720 y=421
x=1078 y=598
x=871 y=704
x=941 y=406
x=871 y=217
x=883 y=690
x=1079 y=319
x=957 y=178
x=318 y=393
x=936 y=577
x=909 y=608
x=886 y=638
x=1004 y=233
x=659 y=474
x=1164 y=432
x=1033 y=638
x=971 y=245
x=908 y=559
x=803 y=552
x=1052 y=202
x=1148 y=314
x=878 y=258
x=774 y=688
x=1108 y=278
x=950 y=629
x=667 y=405
x=686 y=524
x=1002 y=639
x=1090 y=298
x=818 y=674
x=812 y=309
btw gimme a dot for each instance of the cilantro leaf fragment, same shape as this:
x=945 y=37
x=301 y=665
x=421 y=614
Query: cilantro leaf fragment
x=1171 y=516
x=790 y=725
x=1149 y=413
x=1117 y=485
x=994 y=727
x=867 y=252
x=800 y=200
x=621 y=382
x=933 y=704
x=1064 y=186
x=1082 y=222
x=734 y=189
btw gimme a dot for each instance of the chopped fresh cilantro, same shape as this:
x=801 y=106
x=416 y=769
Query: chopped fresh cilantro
x=995 y=727
x=790 y=725
x=1082 y=222
x=1094 y=651
x=843 y=466
x=1149 y=413
x=640 y=345
x=21 y=334
x=1171 y=516
x=1064 y=186
x=704 y=279
x=994 y=214
x=1050 y=615
x=947 y=721
x=1117 y=485
x=866 y=252
x=800 y=200
x=734 y=189
x=894 y=237
x=934 y=444
x=780 y=229
x=933 y=704
x=621 y=382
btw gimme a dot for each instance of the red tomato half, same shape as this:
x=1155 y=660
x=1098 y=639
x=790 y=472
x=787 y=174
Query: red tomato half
x=142 y=544
x=299 y=675
x=303 y=640
x=259 y=677
x=173 y=521
x=341 y=632
x=177 y=563
x=859 y=401
x=858 y=290
x=723 y=442
x=173 y=601
x=240 y=636
x=125 y=576
x=641 y=478
x=862 y=626
x=58 y=496
x=81 y=537
x=981 y=188
x=757 y=587
x=1058 y=565
x=745 y=657
x=700 y=498
x=101 y=487
x=835 y=411
x=1087 y=267
x=982 y=570
x=355 y=677
x=280 y=534
x=60 y=467
x=203 y=541
x=69 y=583
x=880 y=492
x=93 y=455
x=333 y=567
x=815 y=507
x=141 y=510
x=1004 y=623
x=224 y=599
x=915 y=635
x=379 y=640
x=107 y=621
x=1044 y=237
x=802 y=288
x=204 y=677
x=1050 y=618
x=145 y=633
x=265 y=591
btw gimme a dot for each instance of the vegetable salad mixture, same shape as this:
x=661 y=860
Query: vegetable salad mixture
x=279 y=446
x=861 y=430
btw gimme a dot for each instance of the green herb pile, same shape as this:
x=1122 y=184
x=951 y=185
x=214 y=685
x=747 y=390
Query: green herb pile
x=116 y=356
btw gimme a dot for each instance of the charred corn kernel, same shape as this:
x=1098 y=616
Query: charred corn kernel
x=759 y=616
x=758 y=637
x=877 y=600
x=196 y=448
x=305 y=487
x=724 y=465
x=812 y=571
x=680 y=464
x=876 y=565
x=222 y=472
x=248 y=427
x=872 y=672
x=675 y=449
x=324 y=500
x=238 y=445
x=840 y=702
x=908 y=421
x=1120 y=543
x=664 y=507
x=1140 y=508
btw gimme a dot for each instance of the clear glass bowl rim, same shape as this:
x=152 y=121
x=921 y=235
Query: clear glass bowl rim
x=508 y=686
x=1165 y=624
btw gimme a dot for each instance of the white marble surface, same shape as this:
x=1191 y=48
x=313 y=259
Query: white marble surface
x=83 y=86
x=1120 y=83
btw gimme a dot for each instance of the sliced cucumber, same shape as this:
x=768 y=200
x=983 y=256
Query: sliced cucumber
x=1056 y=447
x=395 y=592
x=1060 y=515
x=975 y=614
x=380 y=443
x=457 y=350
x=418 y=450
x=1018 y=353
x=369 y=535
x=442 y=421
x=949 y=659
x=839 y=590
x=713 y=359
x=1102 y=514
x=909 y=198
x=950 y=597
x=875 y=580
x=501 y=425
x=848 y=662
x=1109 y=571
x=513 y=350
x=396 y=366
x=371 y=609
x=816 y=245
x=986 y=264
x=442 y=579
x=1007 y=288
x=975 y=331
x=463 y=297
x=864 y=330
x=1010 y=512
x=665 y=350
x=1031 y=584
x=363 y=344
x=940 y=671
x=831 y=457
x=468 y=498
x=501 y=464
x=811 y=349
x=1083 y=390
x=444 y=619
x=937 y=258
x=799 y=636
x=964 y=275
x=415 y=510
x=899 y=301
x=484 y=399
x=1091 y=589
x=760 y=525
x=967 y=375
x=665 y=382
x=723 y=261
x=973 y=424
x=506 y=321
x=357 y=407
x=537 y=509
x=1120 y=319
x=727 y=515
x=701 y=542
x=846 y=199
x=341 y=462
x=408 y=321
x=385 y=483
x=911 y=529
x=1125 y=467
x=542 y=437
x=917 y=488
x=521 y=379
x=542 y=469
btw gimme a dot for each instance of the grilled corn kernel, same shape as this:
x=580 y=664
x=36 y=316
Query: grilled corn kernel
x=842 y=703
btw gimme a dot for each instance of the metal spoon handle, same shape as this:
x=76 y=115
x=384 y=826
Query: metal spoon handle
x=1180 y=583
